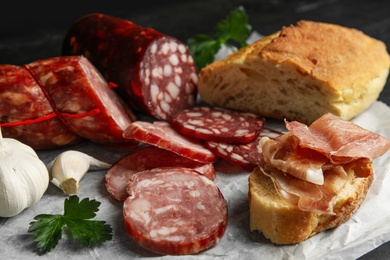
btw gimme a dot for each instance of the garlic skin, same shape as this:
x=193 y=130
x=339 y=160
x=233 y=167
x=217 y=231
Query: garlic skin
x=23 y=177
x=68 y=168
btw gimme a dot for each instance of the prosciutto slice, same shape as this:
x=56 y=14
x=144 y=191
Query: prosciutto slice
x=310 y=165
x=340 y=140
x=285 y=154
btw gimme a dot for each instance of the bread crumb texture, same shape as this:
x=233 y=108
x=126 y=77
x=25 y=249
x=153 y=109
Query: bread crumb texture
x=300 y=73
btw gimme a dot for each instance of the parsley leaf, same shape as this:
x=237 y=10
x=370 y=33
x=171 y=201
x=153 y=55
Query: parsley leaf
x=48 y=228
x=234 y=28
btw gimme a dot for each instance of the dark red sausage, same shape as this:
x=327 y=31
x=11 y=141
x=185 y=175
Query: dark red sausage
x=217 y=124
x=246 y=155
x=27 y=115
x=162 y=135
x=75 y=87
x=119 y=175
x=174 y=211
x=155 y=73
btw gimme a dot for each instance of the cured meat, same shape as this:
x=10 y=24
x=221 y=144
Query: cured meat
x=246 y=155
x=341 y=140
x=174 y=211
x=162 y=135
x=285 y=154
x=155 y=73
x=218 y=125
x=309 y=196
x=27 y=115
x=75 y=87
x=119 y=175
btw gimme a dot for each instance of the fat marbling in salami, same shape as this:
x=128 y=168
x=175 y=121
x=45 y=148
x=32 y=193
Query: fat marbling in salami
x=217 y=124
x=174 y=211
x=147 y=158
x=155 y=73
x=26 y=114
x=75 y=86
x=162 y=135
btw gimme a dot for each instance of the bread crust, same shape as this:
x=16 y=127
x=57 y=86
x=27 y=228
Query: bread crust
x=300 y=73
x=284 y=223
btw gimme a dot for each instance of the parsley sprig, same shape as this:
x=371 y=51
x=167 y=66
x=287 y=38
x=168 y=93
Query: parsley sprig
x=48 y=228
x=232 y=32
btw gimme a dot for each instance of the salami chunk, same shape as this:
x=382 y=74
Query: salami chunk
x=218 y=125
x=75 y=87
x=174 y=211
x=155 y=73
x=246 y=155
x=27 y=115
x=119 y=175
x=162 y=135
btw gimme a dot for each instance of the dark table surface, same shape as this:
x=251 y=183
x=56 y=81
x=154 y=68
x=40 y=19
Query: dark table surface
x=34 y=30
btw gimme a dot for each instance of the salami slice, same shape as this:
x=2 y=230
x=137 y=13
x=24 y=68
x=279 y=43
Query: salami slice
x=75 y=86
x=162 y=135
x=174 y=211
x=246 y=155
x=26 y=114
x=155 y=73
x=218 y=125
x=119 y=175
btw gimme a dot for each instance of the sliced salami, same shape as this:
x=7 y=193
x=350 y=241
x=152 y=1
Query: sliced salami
x=246 y=155
x=162 y=135
x=155 y=73
x=119 y=175
x=75 y=86
x=174 y=211
x=27 y=115
x=218 y=125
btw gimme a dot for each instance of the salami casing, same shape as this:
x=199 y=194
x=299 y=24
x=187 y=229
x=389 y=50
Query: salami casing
x=217 y=124
x=174 y=211
x=27 y=115
x=155 y=73
x=147 y=158
x=75 y=86
x=162 y=135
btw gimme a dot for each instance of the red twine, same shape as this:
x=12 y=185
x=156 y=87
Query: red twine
x=56 y=113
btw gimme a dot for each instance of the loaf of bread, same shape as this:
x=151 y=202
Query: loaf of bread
x=285 y=223
x=300 y=73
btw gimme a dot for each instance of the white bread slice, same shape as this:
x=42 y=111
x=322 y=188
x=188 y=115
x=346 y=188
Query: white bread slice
x=285 y=223
x=300 y=73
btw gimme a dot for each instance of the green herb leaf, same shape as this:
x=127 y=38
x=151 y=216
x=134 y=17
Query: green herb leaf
x=232 y=31
x=48 y=228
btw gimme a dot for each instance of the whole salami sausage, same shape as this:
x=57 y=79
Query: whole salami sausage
x=174 y=211
x=75 y=86
x=155 y=73
x=27 y=115
x=147 y=158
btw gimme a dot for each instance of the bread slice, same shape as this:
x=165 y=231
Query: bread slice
x=285 y=223
x=300 y=73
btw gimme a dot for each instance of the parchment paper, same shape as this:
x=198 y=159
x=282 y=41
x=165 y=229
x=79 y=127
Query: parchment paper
x=366 y=230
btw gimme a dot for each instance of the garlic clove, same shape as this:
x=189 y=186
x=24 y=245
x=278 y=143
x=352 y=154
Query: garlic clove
x=68 y=168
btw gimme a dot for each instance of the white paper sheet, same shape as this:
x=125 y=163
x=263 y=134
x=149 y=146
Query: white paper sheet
x=366 y=230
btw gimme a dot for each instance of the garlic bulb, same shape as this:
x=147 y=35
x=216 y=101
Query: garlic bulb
x=68 y=168
x=23 y=177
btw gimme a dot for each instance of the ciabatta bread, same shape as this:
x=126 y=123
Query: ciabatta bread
x=285 y=223
x=300 y=73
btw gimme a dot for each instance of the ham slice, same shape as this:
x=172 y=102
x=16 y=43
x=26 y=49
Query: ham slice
x=310 y=165
x=340 y=140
